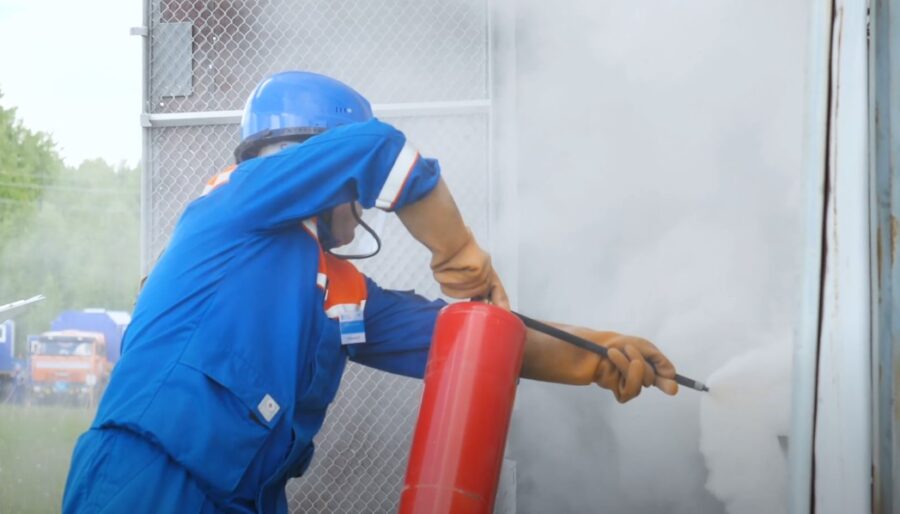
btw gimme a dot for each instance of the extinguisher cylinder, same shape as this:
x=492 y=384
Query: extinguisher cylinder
x=470 y=386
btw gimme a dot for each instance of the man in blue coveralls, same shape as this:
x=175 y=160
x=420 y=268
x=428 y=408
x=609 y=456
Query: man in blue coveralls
x=243 y=328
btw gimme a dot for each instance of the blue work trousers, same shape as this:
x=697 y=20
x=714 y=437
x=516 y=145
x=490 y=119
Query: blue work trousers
x=114 y=471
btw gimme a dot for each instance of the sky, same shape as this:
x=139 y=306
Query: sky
x=73 y=71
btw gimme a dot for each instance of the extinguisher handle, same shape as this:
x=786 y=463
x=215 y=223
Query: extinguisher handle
x=584 y=344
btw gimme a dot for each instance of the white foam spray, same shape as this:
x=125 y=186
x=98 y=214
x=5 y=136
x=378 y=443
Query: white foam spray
x=744 y=422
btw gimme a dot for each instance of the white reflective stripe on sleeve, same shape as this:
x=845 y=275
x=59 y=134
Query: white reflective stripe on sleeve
x=321 y=280
x=403 y=165
x=345 y=309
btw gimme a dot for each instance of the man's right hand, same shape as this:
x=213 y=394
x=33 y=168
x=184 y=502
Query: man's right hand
x=632 y=363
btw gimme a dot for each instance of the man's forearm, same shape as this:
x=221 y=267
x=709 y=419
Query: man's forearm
x=435 y=221
x=552 y=360
x=463 y=268
x=631 y=362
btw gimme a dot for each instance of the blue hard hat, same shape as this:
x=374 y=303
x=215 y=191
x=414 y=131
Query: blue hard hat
x=295 y=105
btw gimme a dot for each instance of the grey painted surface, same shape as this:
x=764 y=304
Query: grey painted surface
x=884 y=92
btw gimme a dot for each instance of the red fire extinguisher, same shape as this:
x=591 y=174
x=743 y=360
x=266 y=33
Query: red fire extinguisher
x=470 y=384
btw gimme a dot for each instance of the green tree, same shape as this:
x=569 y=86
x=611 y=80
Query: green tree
x=76 y=235
x=28 y=161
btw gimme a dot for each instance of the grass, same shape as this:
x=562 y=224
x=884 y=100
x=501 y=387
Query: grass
x=35 y=447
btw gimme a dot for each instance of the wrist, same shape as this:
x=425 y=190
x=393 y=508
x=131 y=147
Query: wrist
x=462 y=242
x=552 y=360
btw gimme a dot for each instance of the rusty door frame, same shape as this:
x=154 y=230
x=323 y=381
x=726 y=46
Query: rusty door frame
x=884 y=151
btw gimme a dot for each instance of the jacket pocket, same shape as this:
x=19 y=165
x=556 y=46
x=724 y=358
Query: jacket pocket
x=212 y=415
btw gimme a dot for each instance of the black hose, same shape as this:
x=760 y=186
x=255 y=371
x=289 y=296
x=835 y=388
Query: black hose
x=584 y=344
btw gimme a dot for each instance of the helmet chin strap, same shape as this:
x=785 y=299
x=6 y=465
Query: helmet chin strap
x=371 y=232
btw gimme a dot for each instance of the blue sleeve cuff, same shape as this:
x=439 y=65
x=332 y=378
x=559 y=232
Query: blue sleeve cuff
x=399 y=327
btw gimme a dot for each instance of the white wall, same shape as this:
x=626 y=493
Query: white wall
x=660 y=195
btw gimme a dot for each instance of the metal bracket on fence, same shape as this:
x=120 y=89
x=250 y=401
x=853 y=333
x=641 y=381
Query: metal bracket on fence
x=189 y=119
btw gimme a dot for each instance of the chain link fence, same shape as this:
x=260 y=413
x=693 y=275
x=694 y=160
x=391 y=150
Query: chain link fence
x=392 y=52
x=203 y=59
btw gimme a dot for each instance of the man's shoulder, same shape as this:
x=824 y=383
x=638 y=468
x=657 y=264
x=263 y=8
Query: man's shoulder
x=373 y=128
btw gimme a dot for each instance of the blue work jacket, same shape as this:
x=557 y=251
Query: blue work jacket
x=230 y=361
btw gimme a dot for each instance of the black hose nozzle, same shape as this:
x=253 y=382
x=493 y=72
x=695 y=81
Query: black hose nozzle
x=584 y=344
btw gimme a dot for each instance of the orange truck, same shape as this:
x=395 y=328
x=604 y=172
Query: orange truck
x=73 y=361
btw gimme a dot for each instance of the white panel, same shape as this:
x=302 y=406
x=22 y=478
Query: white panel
x=843 y=419
x=806 y=340
x=173 y=47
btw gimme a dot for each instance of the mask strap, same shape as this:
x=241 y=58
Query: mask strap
x=371 y=232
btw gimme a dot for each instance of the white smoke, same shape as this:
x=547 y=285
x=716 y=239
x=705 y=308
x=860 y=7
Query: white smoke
x=744 y=423
x=660 y=194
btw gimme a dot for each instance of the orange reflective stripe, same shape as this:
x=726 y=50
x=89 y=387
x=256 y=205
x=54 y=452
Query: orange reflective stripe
x=346 y=286
x=220 y=178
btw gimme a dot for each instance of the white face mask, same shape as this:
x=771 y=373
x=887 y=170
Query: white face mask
x=275 y=148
